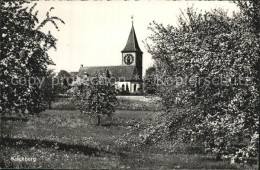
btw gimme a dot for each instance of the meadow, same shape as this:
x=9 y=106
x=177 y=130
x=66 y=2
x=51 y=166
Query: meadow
x=67 y=139
x=135 y=103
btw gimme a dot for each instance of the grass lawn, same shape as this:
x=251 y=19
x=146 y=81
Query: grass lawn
x=66 y=139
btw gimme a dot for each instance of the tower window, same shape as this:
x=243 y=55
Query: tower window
x=134 y=87
x=123 y=87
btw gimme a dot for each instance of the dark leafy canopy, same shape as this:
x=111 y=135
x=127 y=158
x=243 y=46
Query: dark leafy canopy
x=222 y=113
x=23 y=55
x=150 y=81
x=49 y=88
x=65 y=80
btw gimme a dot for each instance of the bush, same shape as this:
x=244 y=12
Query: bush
x=124 y=93
x=64 y=105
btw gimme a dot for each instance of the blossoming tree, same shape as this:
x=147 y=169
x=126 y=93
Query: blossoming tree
x=24 y=56
x=95 y=96
x=214 y=62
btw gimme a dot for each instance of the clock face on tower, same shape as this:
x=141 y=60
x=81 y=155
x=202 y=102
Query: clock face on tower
x=129 y=59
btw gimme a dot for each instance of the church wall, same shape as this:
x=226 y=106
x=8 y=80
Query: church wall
x=130 y=86
x=119 y=85
x=137 y=84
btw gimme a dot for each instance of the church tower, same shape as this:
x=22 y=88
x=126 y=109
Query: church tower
x=132 y=54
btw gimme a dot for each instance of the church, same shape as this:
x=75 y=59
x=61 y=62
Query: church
x=128 y=76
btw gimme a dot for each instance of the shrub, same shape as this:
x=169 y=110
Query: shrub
x=64 y=105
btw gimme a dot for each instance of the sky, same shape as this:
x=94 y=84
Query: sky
x=95 y=32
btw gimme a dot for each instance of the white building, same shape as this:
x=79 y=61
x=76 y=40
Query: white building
x=128 y=76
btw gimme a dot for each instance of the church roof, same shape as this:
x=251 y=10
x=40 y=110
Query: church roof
x=126 y=73
x=132 y=43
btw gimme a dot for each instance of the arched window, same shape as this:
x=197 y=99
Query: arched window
x=127 y=88
x=134 y=87
x=123 y=87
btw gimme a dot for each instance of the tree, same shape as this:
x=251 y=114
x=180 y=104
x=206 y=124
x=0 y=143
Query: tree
x=64 y=76
x=65 y=80
x=221 y=113
x=150 y=82
x=49 y=89
x=96 y=96
x=24 y=56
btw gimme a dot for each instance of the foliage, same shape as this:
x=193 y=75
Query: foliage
x=124 y=92
x=63 y=74
x=24 y=56
x=220 y=112
x=150 y=81
x=95 y=96
x=64 y=81
x=64 y=105
x=50 y=91
x=64 y=78
x=128 y=104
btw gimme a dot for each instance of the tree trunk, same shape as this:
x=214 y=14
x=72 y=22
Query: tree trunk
x=49 y=105
x=218 y=157
x=99 y=120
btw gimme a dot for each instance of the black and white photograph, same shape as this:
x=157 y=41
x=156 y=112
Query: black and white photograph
x=129 y=84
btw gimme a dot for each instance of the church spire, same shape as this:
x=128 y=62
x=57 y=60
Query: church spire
x=132 y=43
x=132 y=17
